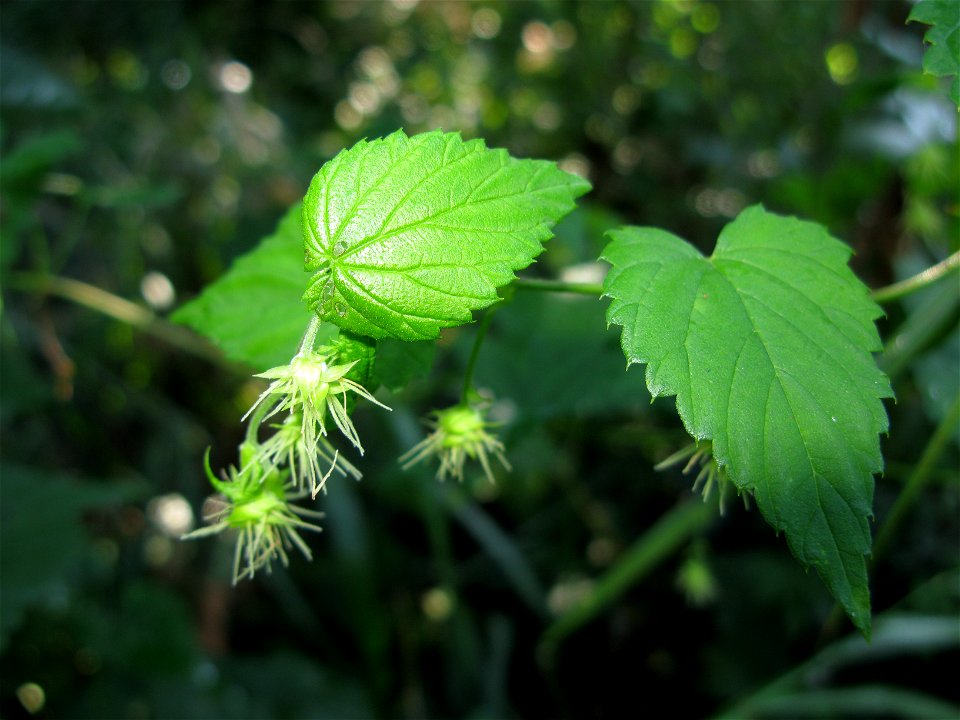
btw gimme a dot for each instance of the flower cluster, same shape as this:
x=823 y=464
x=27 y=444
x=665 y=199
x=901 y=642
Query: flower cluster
x=296 y=460
x=459 y=433
x=307 y=398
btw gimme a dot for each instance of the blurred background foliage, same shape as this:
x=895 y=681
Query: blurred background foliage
x=145 y=145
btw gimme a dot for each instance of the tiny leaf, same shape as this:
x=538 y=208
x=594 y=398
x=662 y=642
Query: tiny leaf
x=767 y=346
x=942 y=58
x=254 y=311
x=408 y=235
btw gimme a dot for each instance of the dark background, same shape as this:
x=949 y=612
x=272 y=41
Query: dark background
x=145 y=145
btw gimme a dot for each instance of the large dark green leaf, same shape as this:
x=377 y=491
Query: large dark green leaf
x=767 y=346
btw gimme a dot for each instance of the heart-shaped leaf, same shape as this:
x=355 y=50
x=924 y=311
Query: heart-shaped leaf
x=408 y=235
x=767 y=346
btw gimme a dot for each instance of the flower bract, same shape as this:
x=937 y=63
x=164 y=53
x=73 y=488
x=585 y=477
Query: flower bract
x=710 y=474
x=289 y=446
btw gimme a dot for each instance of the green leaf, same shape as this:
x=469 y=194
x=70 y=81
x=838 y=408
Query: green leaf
x=942 y=58
x=580 y=372
x=767 y=346
x=409 y=235
x=357 y=349
x=254 y=311
x=399 y=362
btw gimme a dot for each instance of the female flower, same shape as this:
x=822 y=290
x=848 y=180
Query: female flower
x=288 y=446
x=710 y=474
x=459 y=433
x=257 y=505
x=313 y=386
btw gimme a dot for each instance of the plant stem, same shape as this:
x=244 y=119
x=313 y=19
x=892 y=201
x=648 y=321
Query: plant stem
x=115 y=307
x=918 y=281
x=898 y=635
x=653 y=547
x=309 y=336
x=474 y=352
x=917 y=480
x=558 y=286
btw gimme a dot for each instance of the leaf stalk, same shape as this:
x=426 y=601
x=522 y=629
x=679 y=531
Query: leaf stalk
x=917 y=282
x=558 y=286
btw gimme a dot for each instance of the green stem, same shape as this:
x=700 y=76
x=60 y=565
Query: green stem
x=309 y=336
x=474 y=352
x=115 y=307
x=558 y=286
x=917 y=282
x=917 y=480
x=653 y=547
x=897 y=635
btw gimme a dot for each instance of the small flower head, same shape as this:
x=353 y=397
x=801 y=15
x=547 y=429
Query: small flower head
x=696 y=579
x=710 y=475
x=313 y=387
x=257 y=505
x=459 y=433
x=289 y=446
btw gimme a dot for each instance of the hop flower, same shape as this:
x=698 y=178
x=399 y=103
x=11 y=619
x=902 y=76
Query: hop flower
x=257 y=505
x=313 y=387
x=288 y=446
x=710 y=475
x=459 y=433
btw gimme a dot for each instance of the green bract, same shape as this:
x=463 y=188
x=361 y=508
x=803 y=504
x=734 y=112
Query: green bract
x=408 y=235
x=767 y=346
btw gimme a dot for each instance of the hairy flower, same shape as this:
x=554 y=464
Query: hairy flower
x=710 y=474
x=313 y=387
x=257 y=506
x=459 y=433
x=288 y=446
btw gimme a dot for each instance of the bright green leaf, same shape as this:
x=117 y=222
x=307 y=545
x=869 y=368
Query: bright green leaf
x=254 y=311
x=409 y=235
x=767 y=346
x=942 y=58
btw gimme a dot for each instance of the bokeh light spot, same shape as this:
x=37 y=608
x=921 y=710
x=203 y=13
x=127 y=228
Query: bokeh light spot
x=485 y=23
x=842 y=63
x=175 y=74
x=171 y=513
x=32 y=697
x=157 y=290
x=705 y=18
x=437 y=604
x=235 y=77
